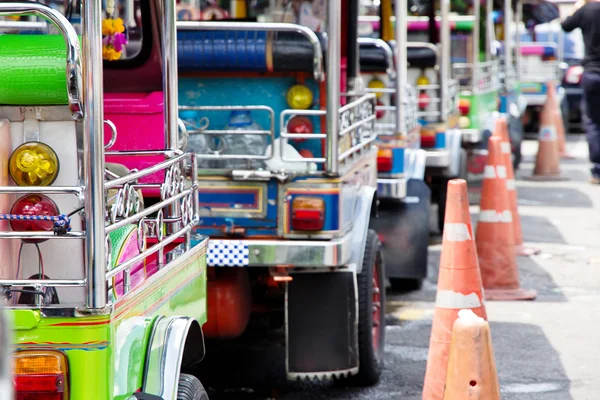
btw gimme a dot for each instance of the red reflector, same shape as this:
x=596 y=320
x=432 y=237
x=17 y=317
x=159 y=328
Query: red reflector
x=308 y=220
x=428 y=141
x=40 y=387
x=384 y=164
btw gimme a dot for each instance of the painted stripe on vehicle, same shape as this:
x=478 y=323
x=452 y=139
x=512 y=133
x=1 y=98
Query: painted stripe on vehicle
x=510 y=184
x=451 y=299
x=456 y=232
x=495 y=216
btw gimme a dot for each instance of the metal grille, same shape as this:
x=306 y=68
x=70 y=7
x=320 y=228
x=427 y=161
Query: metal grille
x=485 y=74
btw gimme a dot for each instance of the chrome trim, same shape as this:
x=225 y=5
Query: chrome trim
x=438 y=158
x=74 y=68
x=445 y=61
x=475 y=45
x=389 y=54
x=472 y=135
x=518 y=57
x=169 y=61
x=299 y=253
x=6 y=340
x=334 y=27
x=269 y=27
x=165 y=355
x=508 y=55
x=534 y=99
x=93 y=156
x=23 y=25
x=402 y=68
x=391 y=188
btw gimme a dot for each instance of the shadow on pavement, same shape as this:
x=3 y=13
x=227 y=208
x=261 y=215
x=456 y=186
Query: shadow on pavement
x=553 y=197
x=540 y=230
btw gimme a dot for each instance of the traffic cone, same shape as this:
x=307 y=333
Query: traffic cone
x=501 y=131
x=471 y=366
x=547 y=159
x=495 y=237
x=459 y=285
x=558 y=121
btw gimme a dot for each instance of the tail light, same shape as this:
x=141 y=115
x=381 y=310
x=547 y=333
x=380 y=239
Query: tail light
x=574 y=74
x=464 y=106
x=423 y=100
x=427 y=138
x=385 y=160
x=300 y=124
x=308 y=213
x=33 y=164
x=33 y=208
x=464 y=122
x=379 y=113
x=299 y=97
x=41 y=375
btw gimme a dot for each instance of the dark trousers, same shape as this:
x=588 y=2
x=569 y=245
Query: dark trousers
x=590 y=106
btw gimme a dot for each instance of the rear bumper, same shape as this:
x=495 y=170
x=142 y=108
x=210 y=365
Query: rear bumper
x=391 y=188
x=277 y=253
x=472 y=135
x=438 y=159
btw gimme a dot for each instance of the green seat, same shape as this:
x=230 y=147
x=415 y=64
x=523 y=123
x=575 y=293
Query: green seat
x=33 y=70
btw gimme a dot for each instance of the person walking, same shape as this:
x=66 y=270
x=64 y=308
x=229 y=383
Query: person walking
x=586 y=16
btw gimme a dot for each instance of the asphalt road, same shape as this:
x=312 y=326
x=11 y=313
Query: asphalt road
x=547 y=349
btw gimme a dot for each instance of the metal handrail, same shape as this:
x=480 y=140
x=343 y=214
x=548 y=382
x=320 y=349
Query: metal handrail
x=482 y=77
x=23 y=25
x=268 y=27
x=389 y=54
x=74 y=74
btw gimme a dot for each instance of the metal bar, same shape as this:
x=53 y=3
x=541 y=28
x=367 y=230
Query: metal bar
x=24 y=25
x=445 y=65
x=333 y=85
x=43 y=282
x=76 y=190
x=267 y=27
x=158 y=246
x=508 y=59
x=147 y=171
x=143 y=153
x=475 y=72
x=147 y=211
x=518 y=59
x=93 y=155
x=73 y=70
x=489 y=29
x=41 y=235
x=401 y=64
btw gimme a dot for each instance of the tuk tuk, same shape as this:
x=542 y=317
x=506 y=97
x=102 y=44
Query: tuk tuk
x=429 y=69
x=287 y=182
x=105 y=293
x=403 y=210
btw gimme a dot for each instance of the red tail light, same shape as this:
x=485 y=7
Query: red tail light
x=574 y=74
x=300 y=124
x=308 y=214
x=32 y=206
x=379 y=113
x=385 y=160
x=427 y=140
x=41 y=375
x=464 y=106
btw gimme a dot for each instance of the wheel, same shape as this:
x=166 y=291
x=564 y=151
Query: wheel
x=442 y=191
x=405 y=285
x=371 y=313
x=190 y=388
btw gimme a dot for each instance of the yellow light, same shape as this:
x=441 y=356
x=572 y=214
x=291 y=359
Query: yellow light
x=299 y=97
x=35 y=362
x=34 y=164
x=377 y=84
x=464 y=122
x=308 y=203
x=422 y=81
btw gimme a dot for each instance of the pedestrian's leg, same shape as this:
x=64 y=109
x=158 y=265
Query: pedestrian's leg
x=591 y=122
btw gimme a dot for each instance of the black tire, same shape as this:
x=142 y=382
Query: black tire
x=405 y=285
x=190 y=388
x=371 y=359
x=442 y=192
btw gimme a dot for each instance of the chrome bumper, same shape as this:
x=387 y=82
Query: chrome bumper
x=535 y=99
x=438 y=158
x=391 y=188
x=274 y=253
x=472 y=135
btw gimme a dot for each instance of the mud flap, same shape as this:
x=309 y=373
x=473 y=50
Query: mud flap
x=321 y=325
x=403 y=228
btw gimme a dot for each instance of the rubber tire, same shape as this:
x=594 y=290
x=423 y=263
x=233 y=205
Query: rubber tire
x=371 y=361
x=405 y=285
x=190 y=388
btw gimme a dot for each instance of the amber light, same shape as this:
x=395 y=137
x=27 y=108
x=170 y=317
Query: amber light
x=385 y=160
x=299 y=97
x=33 y=164
x=308 y=213
x=40 y=375
x=464 y=106
x=33 y=205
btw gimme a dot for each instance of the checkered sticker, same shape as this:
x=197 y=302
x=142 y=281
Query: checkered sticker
x=227 y=253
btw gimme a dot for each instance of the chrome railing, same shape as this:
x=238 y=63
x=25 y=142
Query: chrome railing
x=477 y=78
x=410 y=122
x=389 y=53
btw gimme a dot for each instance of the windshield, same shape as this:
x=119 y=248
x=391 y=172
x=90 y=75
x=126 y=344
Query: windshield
x=121 y=25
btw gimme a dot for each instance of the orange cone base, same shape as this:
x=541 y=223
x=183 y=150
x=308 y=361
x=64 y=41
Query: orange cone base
x=509 y=294
x=527 y=251
x=546 y=178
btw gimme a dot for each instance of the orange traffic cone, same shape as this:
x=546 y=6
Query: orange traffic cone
x=495 y=237
x=471 y=366
x=558 y=121
x=547 y=159
x=501 y=131
x=459 y=285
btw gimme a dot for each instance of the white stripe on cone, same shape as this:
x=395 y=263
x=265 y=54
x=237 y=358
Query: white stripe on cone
x=456 y=232
x=495 y=216
x=451 y=299
x=501 y=170
x=505 y=147
x=510 y=184
x=489 y=172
